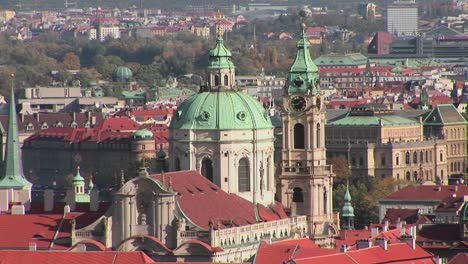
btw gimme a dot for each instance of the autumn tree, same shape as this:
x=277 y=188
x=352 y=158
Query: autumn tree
x=71 y=61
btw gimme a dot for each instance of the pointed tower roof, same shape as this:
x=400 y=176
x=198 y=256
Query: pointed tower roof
x=303 y=74
x=368 y=72
x=14 y=175
x=348 y=210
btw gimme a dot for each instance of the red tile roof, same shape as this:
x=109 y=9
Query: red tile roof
x=439 y=232
x=71 y=257
x=395 y=253
x=408 y=215
x=421 y=192
x=460 y=258
x=195 y=191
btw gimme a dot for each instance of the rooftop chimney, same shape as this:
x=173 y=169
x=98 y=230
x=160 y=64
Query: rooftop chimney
x=48 y=200
x=386 y=226
x=381 y=241
x=374 y=231
x=408 y=239
x=17 y=209
x=32 y=246
x=363 y=243
x=344 y=249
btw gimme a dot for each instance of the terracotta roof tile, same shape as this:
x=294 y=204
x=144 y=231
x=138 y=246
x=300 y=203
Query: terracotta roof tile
x=71 y=257
x=424 y=192
x=195 y=191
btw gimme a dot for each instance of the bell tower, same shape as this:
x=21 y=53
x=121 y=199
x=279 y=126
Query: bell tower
x=306 y=180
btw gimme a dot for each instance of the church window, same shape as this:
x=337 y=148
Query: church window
x=244 y=175
x=226 y=80
x=298 y=195
x=415 y=157
x=216 y=79
x=299 y=136
x=408 y=176
x=421 y=157
x=207 y=169
x=318 y=135
x=427 y=156
x=407 y=158
x=441 y=156
x=397 y=160
x=415 y=176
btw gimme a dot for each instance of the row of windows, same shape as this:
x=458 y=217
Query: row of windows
x=456 y=133
x=30 y=127
x=243 y=173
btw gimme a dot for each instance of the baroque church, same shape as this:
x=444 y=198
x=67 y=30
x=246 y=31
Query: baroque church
x=217 y=203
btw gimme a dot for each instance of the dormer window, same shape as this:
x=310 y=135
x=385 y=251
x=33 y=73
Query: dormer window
x=87 y=124
x=29 y=127
x=59 y=124
x=73 y=124
x=44 y=125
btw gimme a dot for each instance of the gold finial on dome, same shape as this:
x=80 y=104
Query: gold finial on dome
x=219 y=29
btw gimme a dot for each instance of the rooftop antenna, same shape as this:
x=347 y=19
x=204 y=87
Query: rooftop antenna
x=67 y=4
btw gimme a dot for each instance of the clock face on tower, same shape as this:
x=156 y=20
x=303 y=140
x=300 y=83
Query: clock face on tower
x=297 y=103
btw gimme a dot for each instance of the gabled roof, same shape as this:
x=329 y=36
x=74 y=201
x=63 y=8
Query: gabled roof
x=428 y=193
x=444 y=114
x=395 y=253
x=73 y=257
x=195 y=191
x=408 y=215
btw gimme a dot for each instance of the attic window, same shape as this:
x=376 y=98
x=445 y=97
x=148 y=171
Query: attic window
x=59 y=124
x=73 y=124
x=44 y=126
x=29 y=127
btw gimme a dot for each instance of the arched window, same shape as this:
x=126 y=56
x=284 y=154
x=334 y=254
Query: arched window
x=216 y=80
x=407 y=157
x=441 y=157
x=177 y=164
x=408 y=176
x=415 y=176
x=415 y=157
x=397 y=160
x=318 y=135
x=244 y=175
x=207 y=169
x=421 y=157
x=298 y=195
x=427 y=156
x=299 y=136
x=226 y=80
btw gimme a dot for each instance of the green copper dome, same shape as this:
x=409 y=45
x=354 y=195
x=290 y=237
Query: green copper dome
x=221 y=110
x=143 y=134
x=122 y=74
x=348 y=210
x=220 y=56
x=303 y=75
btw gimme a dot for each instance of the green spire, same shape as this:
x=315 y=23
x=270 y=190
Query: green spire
x=424 y=102
x=303 y=75
x=348 y=210
x=220 y=56
x=14 y=175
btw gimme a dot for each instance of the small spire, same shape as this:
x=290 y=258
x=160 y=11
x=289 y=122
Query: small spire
x=14 y=175
x=90 y=183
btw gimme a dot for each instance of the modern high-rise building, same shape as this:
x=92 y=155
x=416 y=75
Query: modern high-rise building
x=402 y=18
